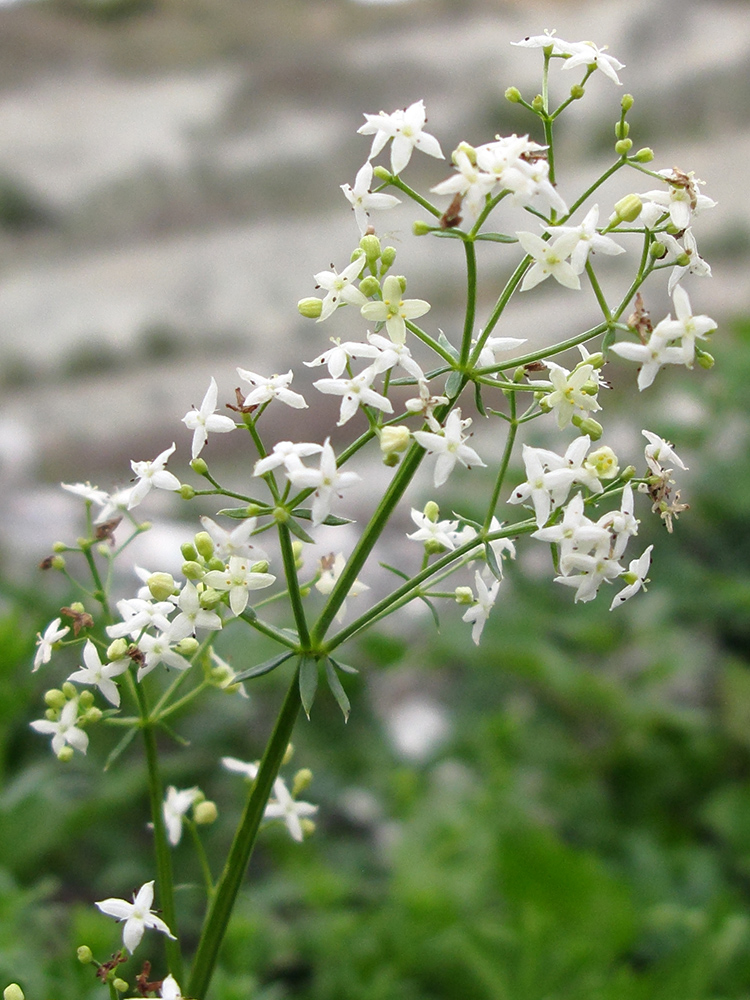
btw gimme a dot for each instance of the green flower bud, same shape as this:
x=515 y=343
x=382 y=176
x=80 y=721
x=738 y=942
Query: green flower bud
x=310 y=308
x=369 y=285
x=657 y=250
x=704 y=359
x=117 y=649
x=192 y=570
x=682 y=260
x=13 y=992
x=627 y=473
x=297 y=549
x=304 y=591
x=199 y=466
x=302 y=780
x=538 y=103
x=464 y=595
x=260 y=567
x=627 y=102
x=433 y=548
x=217 y=563
x=577 y=91
x=382 y=173
x=186 y=491
x=205 y=813
x=86 y=699
x=65 y=754
x=91 y=717
x=420 y=228
x=209 y=598
x=204 y=544
x=57 y=562
x=120 y=985
x=54 y=698
x=77 y=608
x=371 y=246
x=623 y=146
x=393 y=441
x=288 y=753
x=621 y=130
x=644 y=155
x=189 y=551
x=59 y=547
x=391 y=460
x=387 y=259
x=431 y=511
x=188 y=646
x=84 y=954
x=603 y=462
x=69 y=690
x=161 y=586
x=468 y=150
x=628 y=209
x=587 y=425
x=51 y=714
x=308 y=827
x=513 y=94
x=402 y=282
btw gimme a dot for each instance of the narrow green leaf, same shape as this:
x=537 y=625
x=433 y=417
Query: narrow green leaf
x=433 y=611
x=299 y=531
x=332 y=519
x=453 y=384
x=308 y=682
x=496 y=238
x=392 y=569
x=492 y=562
x=337 y=690
x=448 y=234
x=242 y=513
x=343 y=666
x=173 y=734
x=263 y=668
x=478 y=400
x=121 y=747
x=608 y=340
x=467 y=520
x=447 y=346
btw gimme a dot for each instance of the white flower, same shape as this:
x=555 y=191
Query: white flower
x=497 y=345
x=685 y=328
x=150 y=474
x=139 y=613
x=575 y=531
x=363 y=201
x=192 y=616
x=100 y=675
x=356 y=392
x=470 y=182
x=116 y=504
x=689 y=252
x=593 y=570
x=425 y=403
x=206 y=420
x=440 y=532
x=91 y=493
x=250 y=771
x=682 y=200
x=337 y=357
x=275 y=387
x=545 y=41
x=158 y=649
x=238 y=578
x=64 y=730
x=284 y=807
x=589 y=240
x=449 y=446
x=550 y=259
x=659 y=452
x=651 y=357
x=170 y=989
x=588 y=54
x=45 y=643
x=394 y=310
x=174 y=808
x=406 y=128
x=332 y=568
x=479 y=613
x=622 y=523
x=391 y=355
x=137 y=916
x=237 y=541
x=570 y=392
x=635 y=577
x=327 y=482
x=548 y=482
x=340 y=287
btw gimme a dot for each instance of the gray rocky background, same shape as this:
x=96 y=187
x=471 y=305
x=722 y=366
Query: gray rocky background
x=169 y=182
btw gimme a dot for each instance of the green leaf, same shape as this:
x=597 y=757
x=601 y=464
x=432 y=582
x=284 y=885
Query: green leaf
x=242 y=513
x=404 y=576
x=496 y=238
x=263 y=668
x=608 y=340
x=121 y=747
x=174 y=734
x=343 y=666
x=453 y=384
x=337 y=690
x=433 y=611
x=492 y=562
x=478 y=400
x=447 y=346
x=298 y=530
x=332 y=519
x=448 y=234
x=308 y=682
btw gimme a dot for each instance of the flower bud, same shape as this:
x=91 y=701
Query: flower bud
x=77 y=608
x=192 y=570
x=587 y=425
x=382 y=173
x=369 y=285
x=204 y=544
x=84 y=954
x=304 y=591
x=217 y=563
x=57 y=562
x=657 y=250
x=371 y=246
x=186 y=491
x=52 y=714
x=623 y=146
x=421 y=228
x=91 y=716
x=682 y=260
x=394 y=440
x=644 y=155
x=627 y=473
x=538 y=103
x=577 y=91
x=86 y=699
x=288 y=753
x=65 y=754
x=54 y=698
x=464 y=595
x=468 y=150
x=310 y=308
x=13 y=992
x=431 y=511
x=402 y=282
x=199 y=466
x=69 y=690
x=205 y=813
x=628 y=209
x=117 y=649
x=209 y=598
x=308 y=827
x=259 y=567
x=302 y=780
x=387 y=258
x=297 y=549
x=187 y=646
x=621 y=130
x=280 y=515
x=161 y=586
x=391 y=460
x=59 y=547
x=603 y=462
x=627 y=102
x=513 y=94
x=120 y=985
x=704 y=359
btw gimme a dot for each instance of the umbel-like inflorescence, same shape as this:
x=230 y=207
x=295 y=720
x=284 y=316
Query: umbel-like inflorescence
x=408 y=395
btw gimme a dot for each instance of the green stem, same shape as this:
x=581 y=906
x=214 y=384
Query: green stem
x=220 y=909
x=500 y=305
x=598 y=291
x=295 y=597
x=200 y=850
x=471 y=300
x=507 y=452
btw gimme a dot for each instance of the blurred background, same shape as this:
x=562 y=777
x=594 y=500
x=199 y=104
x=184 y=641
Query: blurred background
x=563 y=814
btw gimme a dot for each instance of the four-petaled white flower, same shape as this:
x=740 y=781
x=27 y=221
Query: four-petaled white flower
x=571 y=392
x=659 y=452
x=588 y=54
x=238 y=579
x=337 y=357
x=64 y=729
x=100 y=675
x=288 y=454
x=478 y=613
x=548 y=481
x=440 y=532
x=205 y=420
x=548 y=40
x=406 y=128
x=550 y=258
x=651 y=356
x=575 y=531
x=635 y=578
x=685 y=328
x=283 y=806
x=151 y=474
x=682 y=199
x=394 y=310
x=326 y=481
x=237 y=542
x=91 y=493
x=472 y=183
x=137 y=916
x=589 y=240
x=174 y=809
x=340 y=287
x=45 y=643
x=266 y=389
x=449 y=446
x=364 y=201
x=355 y=392
x=192 y=616
x=158 y=649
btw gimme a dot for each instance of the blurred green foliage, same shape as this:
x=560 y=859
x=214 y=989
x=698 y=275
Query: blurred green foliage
x=583 y=834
